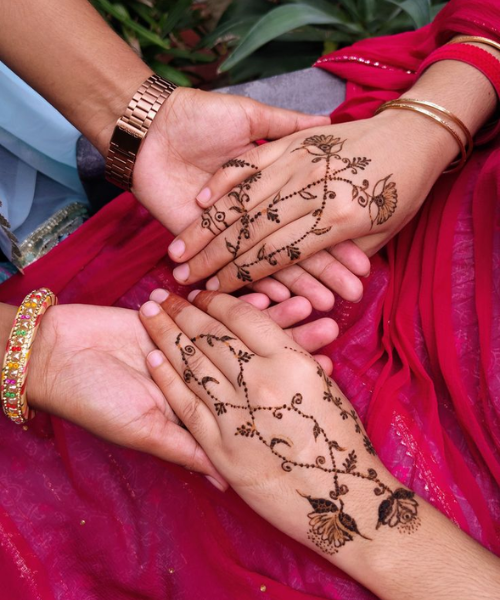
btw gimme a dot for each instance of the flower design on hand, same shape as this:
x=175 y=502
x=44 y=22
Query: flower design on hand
x=329 y=144
x=399 y=510
x=385 y=198
x=330 y=526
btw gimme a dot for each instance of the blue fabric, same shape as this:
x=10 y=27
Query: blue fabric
x=38 y=174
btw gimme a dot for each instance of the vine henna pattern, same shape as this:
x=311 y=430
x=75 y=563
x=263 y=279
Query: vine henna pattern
x=330 y=526
x=381 y=201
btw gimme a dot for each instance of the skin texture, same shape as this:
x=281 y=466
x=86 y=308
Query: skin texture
x=283 y=435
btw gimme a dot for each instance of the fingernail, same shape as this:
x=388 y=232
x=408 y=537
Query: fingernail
x=216 y=483
x=150 y=309
x=181 y=273
x=204 y=196
x=159 y=295
x=155 y=358
x=177 y=248
x=213 y=284
x=368 y=274
x=192 y=295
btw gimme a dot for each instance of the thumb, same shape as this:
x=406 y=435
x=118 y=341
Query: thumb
x=269 y=122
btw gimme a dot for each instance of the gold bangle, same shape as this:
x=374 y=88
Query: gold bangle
x=465 y=130
x=466 y=39
x=17 y=354
x=416 y=106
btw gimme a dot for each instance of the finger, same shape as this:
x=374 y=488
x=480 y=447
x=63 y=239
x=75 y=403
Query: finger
x=301 y=283
x=352 y=257
x=314 y=335
x=199 y=373
x=260 y=301
x=236 y=170
x=290 y=312
x=325 y=363
x=254 y=328
x=273 y=289
x=254 y=226
x=215 y=340
x=291 y=244
x=270 y=123
x=176 y=444
x=334 y=275
x=233 y=208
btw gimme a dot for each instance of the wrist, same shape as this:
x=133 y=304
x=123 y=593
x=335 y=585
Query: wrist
x=429 y=144
x=105 y=107
x=36 y=382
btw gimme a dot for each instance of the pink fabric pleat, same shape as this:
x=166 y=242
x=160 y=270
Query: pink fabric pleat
x=83 y=519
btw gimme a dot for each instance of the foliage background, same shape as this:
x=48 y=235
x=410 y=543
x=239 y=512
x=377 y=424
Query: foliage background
x=215 y=42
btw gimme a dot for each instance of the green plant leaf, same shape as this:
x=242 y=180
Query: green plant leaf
x=236 y=22
x=227 y=33
x=278 y=21
x=316 y=34
x=119 y=14
x=419 y=10
x=435 y=8
x=175 y=14
x=171 y=73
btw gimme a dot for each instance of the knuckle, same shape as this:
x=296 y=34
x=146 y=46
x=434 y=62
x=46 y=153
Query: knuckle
x=207 y=260
x=190 y=412
x=240 y=310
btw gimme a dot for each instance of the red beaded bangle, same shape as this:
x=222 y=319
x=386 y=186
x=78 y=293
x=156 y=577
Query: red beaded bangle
x=480 y=59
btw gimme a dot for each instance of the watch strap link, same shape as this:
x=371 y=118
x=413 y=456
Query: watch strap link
x=132 y=127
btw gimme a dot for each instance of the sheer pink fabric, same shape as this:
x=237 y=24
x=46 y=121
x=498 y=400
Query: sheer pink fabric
x=82 y=519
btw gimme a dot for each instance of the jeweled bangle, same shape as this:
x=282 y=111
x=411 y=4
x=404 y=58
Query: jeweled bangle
x=17 y=354
x=132 y=127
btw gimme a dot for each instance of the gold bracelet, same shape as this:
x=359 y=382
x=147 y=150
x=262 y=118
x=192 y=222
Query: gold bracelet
x=17 y=354
x=466 y=39
x=420 y=106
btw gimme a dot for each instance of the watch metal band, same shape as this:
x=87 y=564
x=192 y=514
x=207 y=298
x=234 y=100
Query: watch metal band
x=132 y=127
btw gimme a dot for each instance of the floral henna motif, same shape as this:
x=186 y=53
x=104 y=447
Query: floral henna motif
x=330 y=526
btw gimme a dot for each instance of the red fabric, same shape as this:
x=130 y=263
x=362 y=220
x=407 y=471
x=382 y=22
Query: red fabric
x=479 y=59
x=418 y=357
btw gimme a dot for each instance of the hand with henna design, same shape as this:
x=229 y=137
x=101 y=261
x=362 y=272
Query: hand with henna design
x=311 y=191
x=293 y=447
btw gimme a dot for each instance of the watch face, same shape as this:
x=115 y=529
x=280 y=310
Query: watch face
x=127 y=138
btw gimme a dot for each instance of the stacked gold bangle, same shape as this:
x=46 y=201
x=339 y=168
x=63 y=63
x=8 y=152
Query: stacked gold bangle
x=444 y=118
x=15 y=364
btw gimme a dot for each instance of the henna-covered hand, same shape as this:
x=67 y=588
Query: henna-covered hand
x=292 y=446
x=285 y=201
x=274 y=425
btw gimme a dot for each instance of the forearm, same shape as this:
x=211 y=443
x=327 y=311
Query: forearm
x=461 y=89
x=384 y=536
x=437 y=561
x=67 y=52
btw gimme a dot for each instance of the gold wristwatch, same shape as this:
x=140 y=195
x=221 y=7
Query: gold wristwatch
x=132 y=127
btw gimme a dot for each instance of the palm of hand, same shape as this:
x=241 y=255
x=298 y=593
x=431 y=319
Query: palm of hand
x=88 y=367
x=189 y=140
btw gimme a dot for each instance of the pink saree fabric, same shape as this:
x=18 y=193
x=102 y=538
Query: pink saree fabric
x=81 y=519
